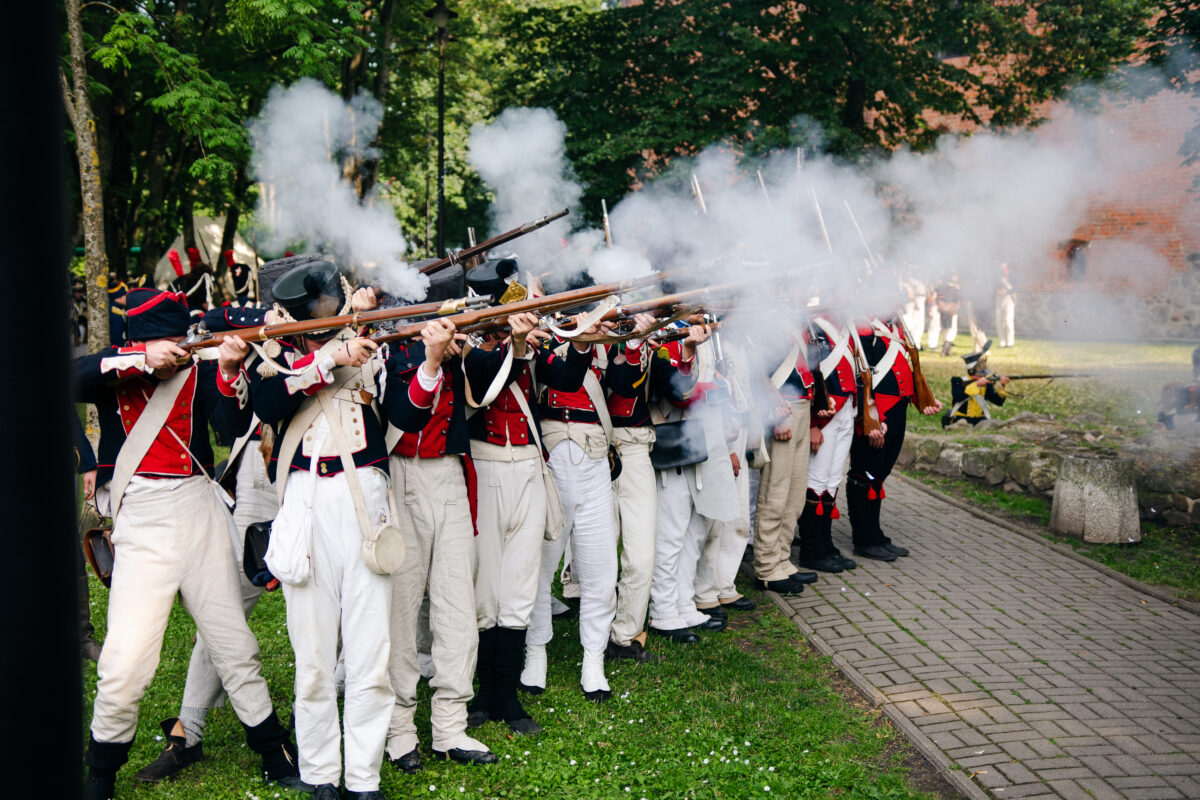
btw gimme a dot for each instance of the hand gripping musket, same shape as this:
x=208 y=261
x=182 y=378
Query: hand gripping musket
x=481 y=248
x=198 y=337
x=868 y=412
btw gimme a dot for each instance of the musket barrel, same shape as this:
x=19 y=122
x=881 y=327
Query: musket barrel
x=495 y=241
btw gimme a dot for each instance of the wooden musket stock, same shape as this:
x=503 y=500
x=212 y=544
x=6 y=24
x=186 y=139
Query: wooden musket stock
x=481 y=248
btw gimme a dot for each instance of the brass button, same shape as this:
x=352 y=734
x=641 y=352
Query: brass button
x=126 y=408
x=324 y=468
x=183 y=456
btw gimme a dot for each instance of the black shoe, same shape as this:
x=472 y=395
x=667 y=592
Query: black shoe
x=741 y=604
x=786 y=586
x=408 y=763
x=876 y=551
x=530 y=689
x=525 y=726
x=803 y=577
x=711 y=625
x=173 y=759
x=894 y=549
x=326 y=791
x=676 y=635
x=847 y=563
x=634 y=651
x=598 y=696
x=294 y=783
x=467 y=756
x=716 y=612
x=824 y=563
x=373 y=795
x=477 y=718
x=101 y=786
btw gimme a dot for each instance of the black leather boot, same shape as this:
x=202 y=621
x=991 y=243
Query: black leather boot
x=829 y=501
x=813 y=552
x=863 y=528
x=479 y=711
x=876 y=505
x=509 y=655
x=274 y=743
x=171 y=760
x=103 y=760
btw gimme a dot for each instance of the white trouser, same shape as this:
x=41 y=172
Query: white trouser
x=172 y=536
x=587 y=498
x=717 y=569
x=827 y=466
x=1006 y=310
x=934 y=327
x=680 y=534
x=341 y=594
x=511 y=523
x=637 y=513
x=256 y=502
x=916 y=322
x=431 y=495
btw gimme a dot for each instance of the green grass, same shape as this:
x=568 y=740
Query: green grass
x=744 y=710
x=1166 y=556
x=1124 y=390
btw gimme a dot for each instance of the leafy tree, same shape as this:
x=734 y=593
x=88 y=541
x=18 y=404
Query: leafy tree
x=641 y=84
x=1176 y=49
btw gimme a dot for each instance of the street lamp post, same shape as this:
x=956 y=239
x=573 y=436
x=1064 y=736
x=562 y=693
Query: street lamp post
x=441 y=16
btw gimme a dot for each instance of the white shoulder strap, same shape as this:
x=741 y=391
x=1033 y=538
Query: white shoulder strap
x=781 y=374
x=143 y=433
x=591 y=385
x=841 y=346
x=301 y=421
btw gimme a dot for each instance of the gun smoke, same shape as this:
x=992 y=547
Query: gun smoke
x=299 y=139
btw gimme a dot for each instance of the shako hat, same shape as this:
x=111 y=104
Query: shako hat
x=975 y=360
x=445 y=284
x=492 y=277
x=155 y=314
x=272 y=271
x=310 y=291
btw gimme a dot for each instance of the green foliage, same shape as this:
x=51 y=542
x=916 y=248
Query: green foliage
x=639 y=85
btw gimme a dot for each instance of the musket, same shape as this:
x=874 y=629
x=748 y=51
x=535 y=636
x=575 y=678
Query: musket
x=923 y=395
x=821 y=220
x=198 y=337
x=699 y=195
x=678 y=334
x=607 y=228
x=762 y=185
x=993 y=377
x=495 y=241
x=494 y=317
x=872 y=262
x=868 y=412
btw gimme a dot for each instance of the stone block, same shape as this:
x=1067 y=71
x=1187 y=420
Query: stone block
x=1095 y=499
x=1044 y=474
x=928 y=450
x=1162 y=478
x=977 y=461
x=1020 y=468
x=949 y=462
x=908 y=450
x=1153 y=504
x=1176 y=518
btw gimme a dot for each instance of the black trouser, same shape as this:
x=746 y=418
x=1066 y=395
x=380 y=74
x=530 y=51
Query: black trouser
x=869 y=467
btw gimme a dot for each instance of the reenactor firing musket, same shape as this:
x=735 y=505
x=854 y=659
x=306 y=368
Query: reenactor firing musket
x=481 y=248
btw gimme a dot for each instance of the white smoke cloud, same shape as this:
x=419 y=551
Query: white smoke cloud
x=298 y=139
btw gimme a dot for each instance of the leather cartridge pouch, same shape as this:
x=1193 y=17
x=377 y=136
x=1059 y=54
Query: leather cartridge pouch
x=678 y=444
x=98 y=549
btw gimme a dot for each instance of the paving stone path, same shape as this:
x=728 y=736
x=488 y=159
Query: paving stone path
x=1027 y=673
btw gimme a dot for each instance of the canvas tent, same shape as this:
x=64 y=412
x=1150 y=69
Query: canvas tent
x=208 y=242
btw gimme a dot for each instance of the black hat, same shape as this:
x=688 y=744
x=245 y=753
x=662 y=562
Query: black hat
x=492 y=277
x=445 y=284
x=974 y=360
x=272 y=271
x=155 y=314
x=310 y=291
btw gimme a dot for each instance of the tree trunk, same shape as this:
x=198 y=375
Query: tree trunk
x=79 y=110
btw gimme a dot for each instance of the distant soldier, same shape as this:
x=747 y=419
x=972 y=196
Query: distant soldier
x=1006 y=308
x=970 y=397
